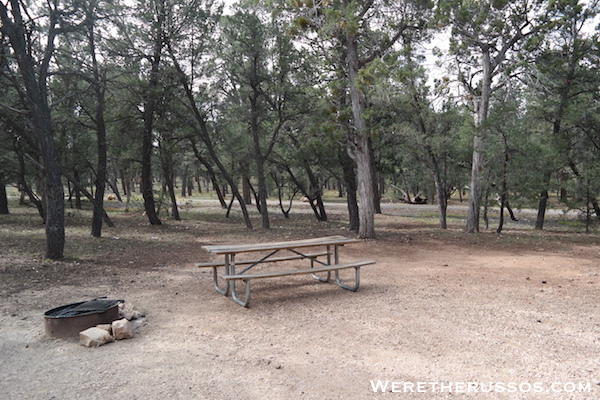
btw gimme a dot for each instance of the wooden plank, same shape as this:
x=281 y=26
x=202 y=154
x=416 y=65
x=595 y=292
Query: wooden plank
x=298 y=271
x=242 y=248
x=275 y=259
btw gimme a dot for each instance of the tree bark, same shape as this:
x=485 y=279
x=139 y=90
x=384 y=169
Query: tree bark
x=349 y=173
x=150 y=104
x=101 y=146
x=246 y=190
x=362 y=154
x=3 y=197
x=37 y=99
x=481 y=113
x=184 y=181
x=541 y=213
x=168 y=175
x=305 y=192
x=202 y=131
x=440 y=189
x=24 y=186
x=316 y=193
x=258 y=156
x=211 y=173
x=146 y=182
x=377 y=189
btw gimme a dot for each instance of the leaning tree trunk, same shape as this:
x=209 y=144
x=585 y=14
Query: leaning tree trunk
x=24 y=186
x=211 y=174
x=202 y=131
x=316 y=193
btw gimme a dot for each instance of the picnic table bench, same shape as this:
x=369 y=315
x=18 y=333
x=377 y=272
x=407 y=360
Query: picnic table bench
x=297 y=248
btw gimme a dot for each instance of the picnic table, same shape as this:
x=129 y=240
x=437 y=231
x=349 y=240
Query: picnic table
x=307 y=249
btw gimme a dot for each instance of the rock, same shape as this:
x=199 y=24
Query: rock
x=138 y=323
x=122 y=329
x=129 y=312
x=106 y=327
x=94 y=337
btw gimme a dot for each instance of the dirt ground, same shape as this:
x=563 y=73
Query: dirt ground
x=441 y=315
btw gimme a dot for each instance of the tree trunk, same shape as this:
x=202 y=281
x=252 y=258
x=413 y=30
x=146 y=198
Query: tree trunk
x=101 y=147
x=37 y=99
x=24 y=186
x=316 y=193
x=76 y=190
x=246 y=194
x=101 y=178
x=184 y=181
x=3 y=197
x=211 y=174
x=481 y=113
x=147 y=181
x=485 y=209
x=203 y=134
x=168 y=173
x=504 y=185
x=113 y=182
x=258 y=157
x=501 y=221
x=150 y=103
x=89 y=196
x=375 y=179
x=306 y=193
x=362 y=154
x=349 y=173
x=98 y=214
x=440 y=189
x=190 y=186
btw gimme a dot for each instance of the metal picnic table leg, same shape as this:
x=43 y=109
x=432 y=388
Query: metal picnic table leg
x=328 y=263
x=356 y=280
x=337 y=275
x=234 y=296
x=225 y=291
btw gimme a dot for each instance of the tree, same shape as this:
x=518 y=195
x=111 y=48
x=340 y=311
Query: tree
x=97 y=80
x=35 y=72
x=246 y=65
x=362 y=32
x=144 y=37
x=84 y=55
x=485 y=37
x=263 y=83
x=565 y=79
x=430 y=127
x=188 y=48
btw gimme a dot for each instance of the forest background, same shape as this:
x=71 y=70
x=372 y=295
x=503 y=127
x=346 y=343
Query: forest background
x=277 y=100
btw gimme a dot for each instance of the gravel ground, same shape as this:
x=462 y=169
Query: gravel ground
x=437 y=317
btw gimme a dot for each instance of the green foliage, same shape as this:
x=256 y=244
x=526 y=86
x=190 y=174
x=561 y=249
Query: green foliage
x=291 y=55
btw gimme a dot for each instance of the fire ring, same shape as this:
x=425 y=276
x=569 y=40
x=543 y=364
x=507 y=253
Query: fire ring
x=68 y=320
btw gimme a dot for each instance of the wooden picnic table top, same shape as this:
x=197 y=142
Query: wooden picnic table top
x=292 y=244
